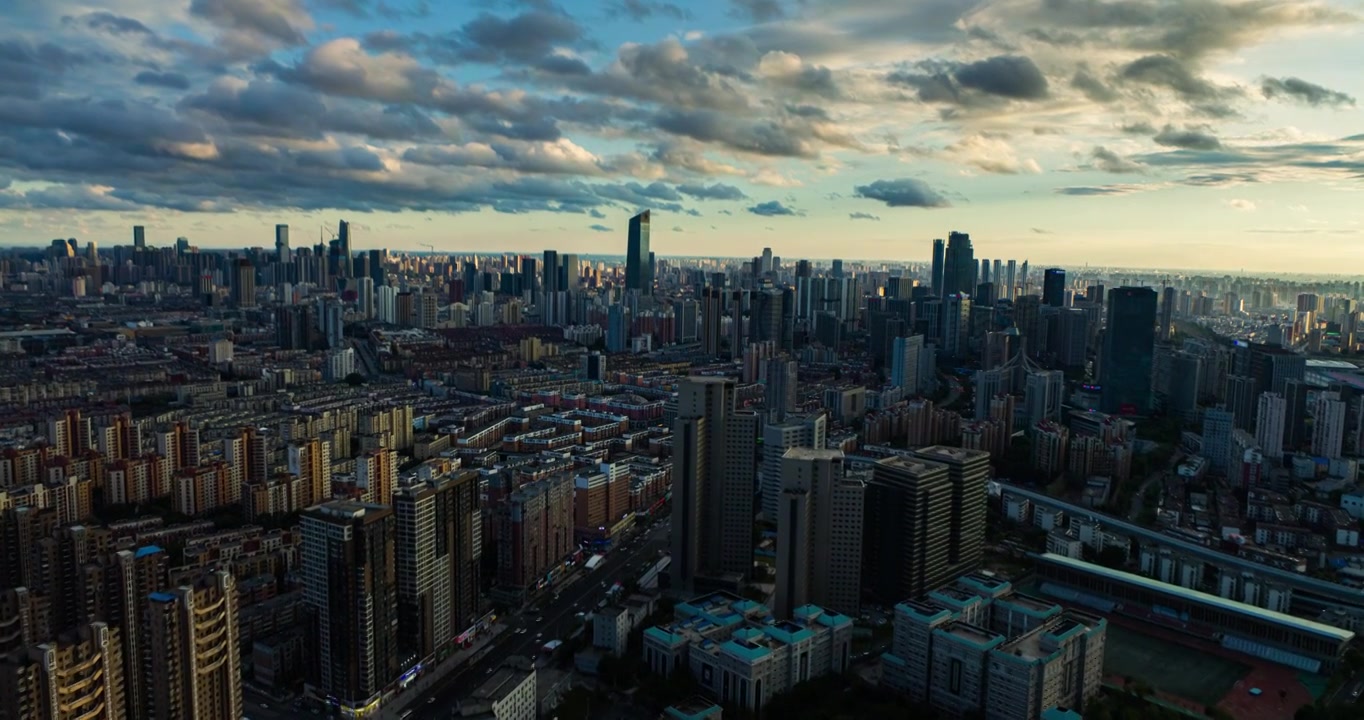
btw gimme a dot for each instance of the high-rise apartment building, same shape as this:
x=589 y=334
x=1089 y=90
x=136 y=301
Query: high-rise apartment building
x=137 y=574
x=638 y=274
x=796 y=431
x=243 y=284
x=534 y=532
x=438 y=549
x=310 y=461
x=349 y=579
x=377 y=473
x=1328 y=425
x=1218 y=424
x=712 y=485
x=195 y=669
x=819 y=534
x=969 y=473
x=1128 y=351
x=79 y=675
x=779 y=391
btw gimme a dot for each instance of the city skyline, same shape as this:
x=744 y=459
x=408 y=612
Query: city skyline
x=1124 y=134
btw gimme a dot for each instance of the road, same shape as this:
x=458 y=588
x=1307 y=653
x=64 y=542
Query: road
x=554 y=621
x=1139 y=498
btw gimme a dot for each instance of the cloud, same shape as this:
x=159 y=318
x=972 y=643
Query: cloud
x=757 y=10
x=992 y=155
x=717 y=191
x=863 y=216
x=904 y=192
x=1241 y=204
x=525 y=37
x=1092 y=87
x=600 y=228
x=771 y=208
x=1188 y=138
x=171 y=80
x=1120 y=189
x=1108 y=161
x=1005 y=77
x=1172 y=74
x=641 y=10
x=256 y=25
x=1291 y=88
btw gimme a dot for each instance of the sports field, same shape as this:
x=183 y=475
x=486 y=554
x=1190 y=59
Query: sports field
x=1168 y=667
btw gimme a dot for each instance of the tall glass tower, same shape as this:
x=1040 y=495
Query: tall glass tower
x=1128 y=351
x=638 y=275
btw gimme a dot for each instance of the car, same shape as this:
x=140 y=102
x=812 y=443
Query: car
x=265 y=706
x=489 y=672
x=539 y=619
x=431 y=700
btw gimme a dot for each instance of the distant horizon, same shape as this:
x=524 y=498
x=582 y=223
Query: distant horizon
x=1140 y=133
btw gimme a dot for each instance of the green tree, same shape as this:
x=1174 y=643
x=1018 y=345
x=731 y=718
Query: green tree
x=355 y=379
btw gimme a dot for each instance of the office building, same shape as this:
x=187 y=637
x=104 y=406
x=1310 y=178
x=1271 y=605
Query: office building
x=1328 y=425
x=904 y=363
x=980 y=648
x=906 y=528
x=438 y=549
x=779 y=391
x=282 y=252
x=1241 y=396
x=1043 y=394
x=1054 y=287
x=1185 y=381
x=712 y=321
x=78 y=675
x=1295 y=414
x=638 y=275
x=195 y=668
x=737 y=652
x=937 y=268
x=959 y=266
x=1128 y=351
x=348 y=572
x=819 y=534
x=713 y=481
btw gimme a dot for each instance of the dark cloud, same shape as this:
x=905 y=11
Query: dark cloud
x=663 y=73
x=771 y=208
x=1110 y=162
x=525 y=37
x=1188 y=138
x=349 y=158
x=1139 y=128
x=597 y=214
x=1008 y=77
x=280 y=20
x=717 y=191
x=600 y=228
x=641 y=10
x=170 y=80
x=757 y=10
x=1093 y=88
x=862 y=216
x=760 y=138
x=1170 y=73
x=1292 y=88
x=105 y=21
x=904 y=192
x=1219 y=179
x=267 y=107
x=28 y=70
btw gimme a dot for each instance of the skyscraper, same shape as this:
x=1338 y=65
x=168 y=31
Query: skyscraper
x=1128 y=351
x=348 y=571
x=779 y=391
x=1168 y=298
x=282 y=244
x=244 y=284
x=905 y=528
x=139 y=237
x=904 y=364
x=438 y=552
x=1269 y=425
x=819 y=534
x=1328 y=425
x=959 y=265
x=1054 y=287
x=969 y=474
x=712 y=486
x=343 y=265
x=637 y=275
x=795 y=431
x=195 y=668
x=712 y=320
x=937 y=266
x=550 y=268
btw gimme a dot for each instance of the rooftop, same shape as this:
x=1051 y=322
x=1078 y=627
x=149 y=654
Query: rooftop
x=977 y=636
x=501 y=684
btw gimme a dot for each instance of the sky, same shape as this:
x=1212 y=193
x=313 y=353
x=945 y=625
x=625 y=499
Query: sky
x=1141 y=133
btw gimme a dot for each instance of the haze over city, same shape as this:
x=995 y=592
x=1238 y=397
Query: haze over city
x=1197 y=134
